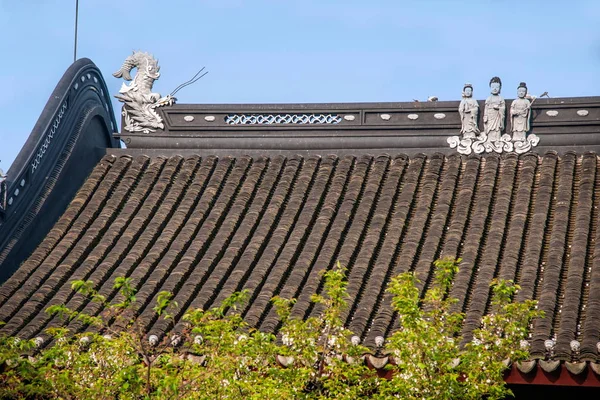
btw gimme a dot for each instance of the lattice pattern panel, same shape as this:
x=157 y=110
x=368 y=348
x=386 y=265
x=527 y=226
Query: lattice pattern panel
x=291 y=119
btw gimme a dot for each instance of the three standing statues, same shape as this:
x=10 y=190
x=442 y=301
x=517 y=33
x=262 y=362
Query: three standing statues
x=494 y=114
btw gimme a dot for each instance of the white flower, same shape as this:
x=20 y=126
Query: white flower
x=288 y=341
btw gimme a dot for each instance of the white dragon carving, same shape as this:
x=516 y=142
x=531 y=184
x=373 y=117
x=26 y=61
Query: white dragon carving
x=139 y=100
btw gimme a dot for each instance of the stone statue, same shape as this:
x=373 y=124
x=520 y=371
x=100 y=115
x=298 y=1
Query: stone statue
x=520 y=116
x=139 y=100
x=469 y=111
x=493 y=117
x=492 y=138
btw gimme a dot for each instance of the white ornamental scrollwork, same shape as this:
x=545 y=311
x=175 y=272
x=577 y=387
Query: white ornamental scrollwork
x=463 y=146
x=523 y=146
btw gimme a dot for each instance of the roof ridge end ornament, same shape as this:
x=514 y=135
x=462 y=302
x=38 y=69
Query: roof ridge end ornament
x=139 y=102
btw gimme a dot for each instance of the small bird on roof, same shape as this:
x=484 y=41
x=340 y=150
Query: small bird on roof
x=532 y=97
x=432 y=98
x=416 y=101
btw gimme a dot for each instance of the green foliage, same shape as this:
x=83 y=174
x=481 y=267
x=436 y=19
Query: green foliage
x=219 y=356
x=163 y=302
x=127 y=292
x=430 y=361
x=325 y=362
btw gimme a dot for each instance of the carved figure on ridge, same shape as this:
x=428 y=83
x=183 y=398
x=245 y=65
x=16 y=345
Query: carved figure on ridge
x=494 y=113
x=519 y=114
x=139 y=100
x=469 y=111
x=520 y=117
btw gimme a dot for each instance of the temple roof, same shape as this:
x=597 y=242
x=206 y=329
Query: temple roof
x=204 y=228
x=266 y=197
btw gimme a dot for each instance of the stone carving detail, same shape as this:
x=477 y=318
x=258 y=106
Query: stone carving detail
x=439 y=116
x=385 y=117
x=492 y=138
x=463 y=146
x=295 y=119
x=139 y=100
x=552 y=113
x=468 y=110
x=494 y=115
x=520 y=115
x=582 y=113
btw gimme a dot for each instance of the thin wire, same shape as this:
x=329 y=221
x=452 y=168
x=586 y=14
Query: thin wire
x=184 y=84
x=76 y=21
x=191 y=81
x=193 y=77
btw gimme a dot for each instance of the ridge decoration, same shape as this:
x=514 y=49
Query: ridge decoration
x=492 y=138
x=139 y=101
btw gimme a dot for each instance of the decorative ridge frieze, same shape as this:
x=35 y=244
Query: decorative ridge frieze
x=370 y=125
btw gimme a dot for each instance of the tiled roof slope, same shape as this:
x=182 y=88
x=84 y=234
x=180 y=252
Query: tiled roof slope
x=204 y=228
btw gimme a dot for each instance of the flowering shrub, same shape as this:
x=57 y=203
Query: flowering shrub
x=218 y=356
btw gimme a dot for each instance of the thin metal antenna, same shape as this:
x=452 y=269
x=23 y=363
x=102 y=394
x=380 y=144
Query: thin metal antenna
x=76 y=18
x=194 y=79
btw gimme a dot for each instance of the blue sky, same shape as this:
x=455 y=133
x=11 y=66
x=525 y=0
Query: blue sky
x=299 y=51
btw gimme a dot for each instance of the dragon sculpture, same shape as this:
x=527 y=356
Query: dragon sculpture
x=139 y=101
